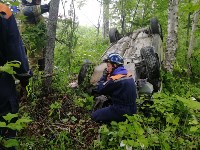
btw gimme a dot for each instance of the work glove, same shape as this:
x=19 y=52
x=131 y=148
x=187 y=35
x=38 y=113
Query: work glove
x=99 y=102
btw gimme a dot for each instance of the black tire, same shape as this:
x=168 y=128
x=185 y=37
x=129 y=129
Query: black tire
x=85 y=74
x=155 y=27
x=152 y=66
x=114 y=35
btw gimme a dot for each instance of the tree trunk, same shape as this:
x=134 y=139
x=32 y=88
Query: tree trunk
x=106 y=18
x=194 y=23
x=123 y=17
x=49 y=55
x=188 y=29
x=72 y=16
x=192 y=38
x=172 y=39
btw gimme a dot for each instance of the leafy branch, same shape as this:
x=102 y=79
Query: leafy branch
x=8 y=67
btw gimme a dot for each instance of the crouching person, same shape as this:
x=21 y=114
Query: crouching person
x=11 y=49
x=120 y=87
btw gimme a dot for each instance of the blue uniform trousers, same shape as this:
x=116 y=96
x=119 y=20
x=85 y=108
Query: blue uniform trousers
x=8 y=104
x=113 y=113
x=8 y=98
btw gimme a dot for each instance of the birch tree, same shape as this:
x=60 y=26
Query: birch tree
x=192 y=37
x=188 y=27
x=172 y=39
x=106 y=18
x=49 y=55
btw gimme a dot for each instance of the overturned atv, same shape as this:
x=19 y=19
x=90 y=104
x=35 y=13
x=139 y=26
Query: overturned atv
x=142 y=52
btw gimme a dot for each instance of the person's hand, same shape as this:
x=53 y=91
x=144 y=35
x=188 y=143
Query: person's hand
x=108 y=77
x=24 y=82
x=105 y=72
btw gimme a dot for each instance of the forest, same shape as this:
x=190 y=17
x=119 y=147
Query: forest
x=56 y=115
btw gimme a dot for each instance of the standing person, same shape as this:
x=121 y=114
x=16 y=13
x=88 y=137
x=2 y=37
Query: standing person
x=11 y=49
x=120 y=87
x=32 y=10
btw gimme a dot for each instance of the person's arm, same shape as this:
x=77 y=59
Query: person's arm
x=15 y=50
x=45 y=8
x=106 y=87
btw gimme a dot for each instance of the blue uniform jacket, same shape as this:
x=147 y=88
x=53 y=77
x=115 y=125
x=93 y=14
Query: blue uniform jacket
x=122 y=91
x=121 y=87
x=11 y=49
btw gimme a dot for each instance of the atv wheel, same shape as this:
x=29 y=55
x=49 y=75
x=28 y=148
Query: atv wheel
x=152 y=66
x=114 y=35
x=155 y=27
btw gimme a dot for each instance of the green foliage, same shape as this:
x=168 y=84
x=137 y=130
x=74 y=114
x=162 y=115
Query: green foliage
x=187 y=9
x=10 y=2
x=54 y=107
x=90 y=45
x=67 y=41
x=11 y=143
x=172 y=120
x=195 y=62
x=138 y=13
x=87 y=48
x=189 y=6
x=84 y=100
x=34 y=37
x=34 y=88
x=182 y=85
x=62 y=141
x=58 y=140
x=8 y=67
x=20 y=124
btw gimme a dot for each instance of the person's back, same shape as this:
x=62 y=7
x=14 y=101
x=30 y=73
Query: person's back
x=121 y=87
x=32 y=11
x=125 y=91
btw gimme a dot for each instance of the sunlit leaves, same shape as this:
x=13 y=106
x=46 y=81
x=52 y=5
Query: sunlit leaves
x=8 y=67
x=10 y=116
x=11 y=2
x=171 y=119
x=11 y=143
x=189 y=6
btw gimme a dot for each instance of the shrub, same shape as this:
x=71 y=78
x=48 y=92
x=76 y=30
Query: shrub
x=173 y=124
